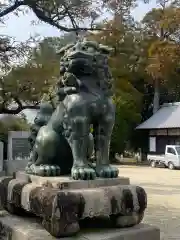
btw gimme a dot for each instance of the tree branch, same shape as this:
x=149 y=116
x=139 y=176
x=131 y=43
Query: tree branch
x=18 y=109
x=43 y=17
x=50 y=21
x=31 y=107
x=19 y=103
x=11 y=8
x=23 y=107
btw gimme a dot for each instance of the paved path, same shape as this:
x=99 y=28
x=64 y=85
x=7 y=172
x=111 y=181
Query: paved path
x=163 y=189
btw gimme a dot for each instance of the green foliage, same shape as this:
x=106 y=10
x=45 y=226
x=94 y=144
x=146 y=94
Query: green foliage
x=127 y=116
x=34 y=78
x=11 y=123
x=28 y=84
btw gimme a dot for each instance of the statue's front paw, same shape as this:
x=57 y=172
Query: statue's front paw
x=45 y=170
x=28 y=168
x=83 y=173
x=107 y=171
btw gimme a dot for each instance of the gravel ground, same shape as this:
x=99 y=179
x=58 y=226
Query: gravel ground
x=163 y=189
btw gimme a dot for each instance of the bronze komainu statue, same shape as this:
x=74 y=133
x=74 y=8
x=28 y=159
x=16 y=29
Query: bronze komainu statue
x=64 y=143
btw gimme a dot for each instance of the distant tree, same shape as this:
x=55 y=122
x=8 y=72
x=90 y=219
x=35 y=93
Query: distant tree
x=163 y=55
x=24 y=86
x=12 y=123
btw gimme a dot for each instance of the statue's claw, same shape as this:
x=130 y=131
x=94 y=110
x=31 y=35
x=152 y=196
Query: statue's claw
x=43 y=170
x=107 y=171
x=83 y=173
x=28 y=170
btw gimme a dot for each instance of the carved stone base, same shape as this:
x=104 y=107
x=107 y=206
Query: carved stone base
x=23 y=228
x=63 y=203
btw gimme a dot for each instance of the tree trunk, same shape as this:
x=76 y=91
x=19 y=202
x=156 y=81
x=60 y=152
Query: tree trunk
x=156 y=96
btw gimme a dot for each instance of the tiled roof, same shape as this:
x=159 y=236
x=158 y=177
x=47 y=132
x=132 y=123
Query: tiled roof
x=168 y=116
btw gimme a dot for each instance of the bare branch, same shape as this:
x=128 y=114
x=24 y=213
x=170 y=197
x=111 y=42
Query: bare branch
x=50 y=17
x=18 y=109
x=20 y=106
x=11 y=8
x=41 y=15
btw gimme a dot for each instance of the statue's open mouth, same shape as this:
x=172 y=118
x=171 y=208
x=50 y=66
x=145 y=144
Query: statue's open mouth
x=80 y=54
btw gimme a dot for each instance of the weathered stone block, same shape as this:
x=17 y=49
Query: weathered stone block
x=68 y=183
x=62 y=203
x=4 y=182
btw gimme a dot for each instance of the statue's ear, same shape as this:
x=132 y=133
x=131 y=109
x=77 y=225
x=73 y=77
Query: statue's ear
x=105 y=49
x=64 y=49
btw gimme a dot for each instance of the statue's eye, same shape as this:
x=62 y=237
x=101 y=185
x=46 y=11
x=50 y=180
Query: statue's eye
x=91 y=49
x=84 y=48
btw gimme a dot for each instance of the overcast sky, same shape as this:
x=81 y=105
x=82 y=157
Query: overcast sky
x=21 y=27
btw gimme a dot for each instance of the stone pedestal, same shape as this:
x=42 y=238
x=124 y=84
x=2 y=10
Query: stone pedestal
x=15 y=228
x=63 y=203
x=68 y=183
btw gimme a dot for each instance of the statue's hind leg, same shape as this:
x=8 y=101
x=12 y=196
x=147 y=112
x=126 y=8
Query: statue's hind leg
x=44 y=150
x=102 y=137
